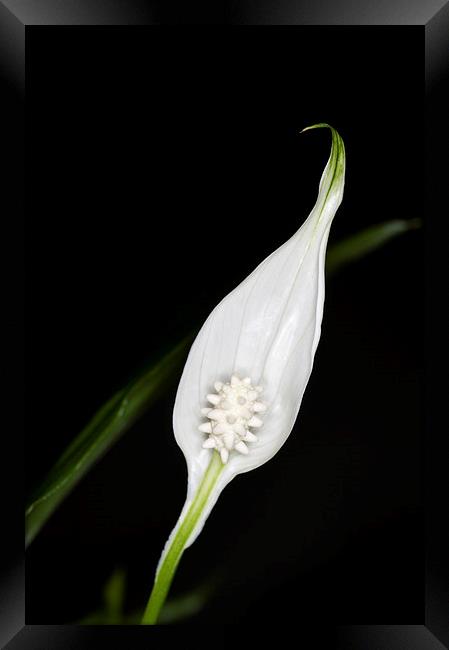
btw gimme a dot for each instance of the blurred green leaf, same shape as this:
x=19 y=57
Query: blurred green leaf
x=114 y=594
x=111 y=613
x=105 y=428
x=129 y=403
x=175 y=609
x=366 y=241
x=182 y=607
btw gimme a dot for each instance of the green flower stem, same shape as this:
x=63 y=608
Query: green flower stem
x=172 y=558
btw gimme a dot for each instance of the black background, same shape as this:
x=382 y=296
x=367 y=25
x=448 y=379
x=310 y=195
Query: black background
x=164 y=166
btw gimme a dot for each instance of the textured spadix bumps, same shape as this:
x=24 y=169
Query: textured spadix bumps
x=233 y=414
x=264 y=333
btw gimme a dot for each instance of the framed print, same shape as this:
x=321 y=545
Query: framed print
x=231 y=244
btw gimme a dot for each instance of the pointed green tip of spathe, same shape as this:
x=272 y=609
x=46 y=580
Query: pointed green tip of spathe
x=320 y=125
x=338 y=156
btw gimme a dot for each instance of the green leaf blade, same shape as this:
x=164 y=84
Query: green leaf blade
x=366 y=241
x=103 y=430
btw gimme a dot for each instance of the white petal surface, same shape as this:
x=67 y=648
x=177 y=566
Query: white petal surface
x=266 y=329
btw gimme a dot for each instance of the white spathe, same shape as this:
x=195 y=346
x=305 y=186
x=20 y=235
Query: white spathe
x=266 y=330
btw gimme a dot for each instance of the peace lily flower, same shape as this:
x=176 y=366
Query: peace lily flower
x=245 y=376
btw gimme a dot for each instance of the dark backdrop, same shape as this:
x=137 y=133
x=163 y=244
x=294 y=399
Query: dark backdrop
x=164 y=165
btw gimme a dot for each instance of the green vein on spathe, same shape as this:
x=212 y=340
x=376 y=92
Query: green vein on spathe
x=128 y=404
x=103 y=430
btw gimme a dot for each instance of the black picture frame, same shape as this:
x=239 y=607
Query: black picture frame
x=17 y=20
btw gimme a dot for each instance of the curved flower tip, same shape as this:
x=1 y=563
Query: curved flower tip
x=245 y=376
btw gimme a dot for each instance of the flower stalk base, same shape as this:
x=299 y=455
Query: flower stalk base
x=167 y=570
